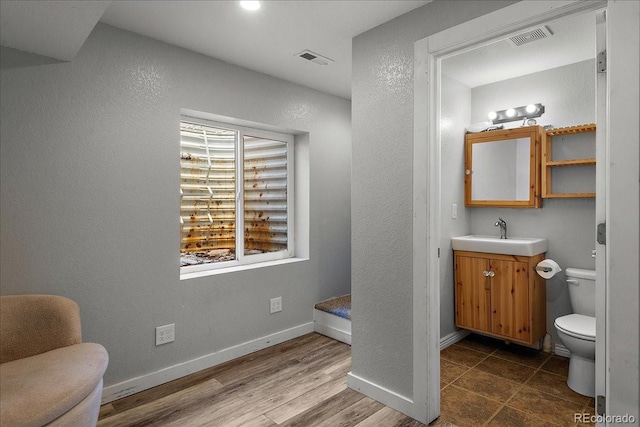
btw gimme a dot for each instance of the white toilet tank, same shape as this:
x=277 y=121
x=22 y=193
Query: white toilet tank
x=582 y=290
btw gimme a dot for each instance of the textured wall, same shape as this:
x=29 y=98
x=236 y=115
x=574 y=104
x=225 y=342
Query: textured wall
x=381 y=192
x=90 y=184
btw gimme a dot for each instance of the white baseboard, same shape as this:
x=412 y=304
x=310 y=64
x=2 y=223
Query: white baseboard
x=144 y=382
x=390 y=398
x=560 y=350
x=453 y=338
x=332 y=326
x=385 y=396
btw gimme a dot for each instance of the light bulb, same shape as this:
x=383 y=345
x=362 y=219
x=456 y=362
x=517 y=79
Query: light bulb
x=492 y=115
x=250 y=5
x=531 y=108
x=511 y=112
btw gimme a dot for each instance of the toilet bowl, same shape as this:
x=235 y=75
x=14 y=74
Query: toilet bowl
x=577 y=331
x=578 y=334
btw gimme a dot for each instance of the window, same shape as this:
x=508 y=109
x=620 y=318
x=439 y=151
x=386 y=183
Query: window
x=214 y=158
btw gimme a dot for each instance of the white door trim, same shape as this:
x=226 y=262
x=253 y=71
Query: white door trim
x=426 y=231
x=602 y=201
x=428 y=54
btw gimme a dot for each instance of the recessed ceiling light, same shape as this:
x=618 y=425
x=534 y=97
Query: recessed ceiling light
x=250 y=5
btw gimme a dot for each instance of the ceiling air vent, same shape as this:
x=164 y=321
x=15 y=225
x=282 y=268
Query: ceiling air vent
x=530 y=36
x=314 y=57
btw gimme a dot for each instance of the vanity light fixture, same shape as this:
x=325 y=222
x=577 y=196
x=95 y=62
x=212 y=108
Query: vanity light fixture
x=531 y=108
x=250 y=5
x=513 y=114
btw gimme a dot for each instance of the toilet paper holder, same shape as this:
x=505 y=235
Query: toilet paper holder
x=547 y=268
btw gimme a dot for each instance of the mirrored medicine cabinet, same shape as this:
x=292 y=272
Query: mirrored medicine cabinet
x=502 y=168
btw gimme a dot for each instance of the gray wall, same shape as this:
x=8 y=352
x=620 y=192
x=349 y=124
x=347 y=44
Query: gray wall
x=456 y=116
x=381 y=191
x=89 y=197
x=568 y=94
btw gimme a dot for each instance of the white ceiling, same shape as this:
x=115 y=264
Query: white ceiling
x=572 y=40
x=268 y=39
x=265 y=40
x=56 y=29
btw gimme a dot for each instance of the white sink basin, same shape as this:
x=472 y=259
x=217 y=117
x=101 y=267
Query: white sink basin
x=524 y=246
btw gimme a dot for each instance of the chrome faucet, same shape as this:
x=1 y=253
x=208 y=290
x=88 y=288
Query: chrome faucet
x=503 y=227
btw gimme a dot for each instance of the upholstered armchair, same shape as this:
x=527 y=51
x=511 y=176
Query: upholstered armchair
x=48 y=376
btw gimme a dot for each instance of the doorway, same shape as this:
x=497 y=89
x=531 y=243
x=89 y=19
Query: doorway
x=429 y=211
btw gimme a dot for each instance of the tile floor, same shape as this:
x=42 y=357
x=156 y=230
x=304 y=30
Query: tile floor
x=486 y=382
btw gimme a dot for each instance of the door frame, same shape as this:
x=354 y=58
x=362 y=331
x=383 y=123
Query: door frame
x=428 y=54
x=602 y=201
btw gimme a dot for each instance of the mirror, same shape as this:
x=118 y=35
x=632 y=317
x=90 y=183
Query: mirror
x=502 y=168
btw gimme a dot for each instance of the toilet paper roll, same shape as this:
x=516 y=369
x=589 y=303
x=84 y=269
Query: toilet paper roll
x=547 y=268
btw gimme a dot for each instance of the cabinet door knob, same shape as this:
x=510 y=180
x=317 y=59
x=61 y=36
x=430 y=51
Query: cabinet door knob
x=485 y=273
x=492 y=273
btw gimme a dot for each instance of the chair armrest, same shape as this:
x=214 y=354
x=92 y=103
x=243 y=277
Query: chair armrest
x=34 y=324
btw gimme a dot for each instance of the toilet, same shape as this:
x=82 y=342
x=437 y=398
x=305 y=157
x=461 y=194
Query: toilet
x=577 y=331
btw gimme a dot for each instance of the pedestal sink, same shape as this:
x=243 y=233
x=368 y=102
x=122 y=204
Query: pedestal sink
x=524 y=246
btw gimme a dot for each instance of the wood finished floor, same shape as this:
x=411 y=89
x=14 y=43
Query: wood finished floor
x=302 y=382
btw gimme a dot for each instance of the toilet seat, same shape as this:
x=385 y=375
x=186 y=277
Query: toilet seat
x=578 y=326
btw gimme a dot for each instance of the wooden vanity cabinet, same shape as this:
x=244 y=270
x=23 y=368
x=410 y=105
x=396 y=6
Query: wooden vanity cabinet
x=500 y=296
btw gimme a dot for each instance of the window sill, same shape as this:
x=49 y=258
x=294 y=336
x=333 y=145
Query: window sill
x=235 y=268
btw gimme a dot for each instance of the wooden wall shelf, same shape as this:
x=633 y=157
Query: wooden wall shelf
x=572 y=129
x=548 y=163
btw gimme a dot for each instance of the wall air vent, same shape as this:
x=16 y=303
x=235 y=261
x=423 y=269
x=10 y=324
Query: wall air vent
x=530 y=36
x=314 y=57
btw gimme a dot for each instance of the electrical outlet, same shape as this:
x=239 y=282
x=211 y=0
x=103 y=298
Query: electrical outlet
x=165 y=334
x=276 y=305
x=454 y=211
